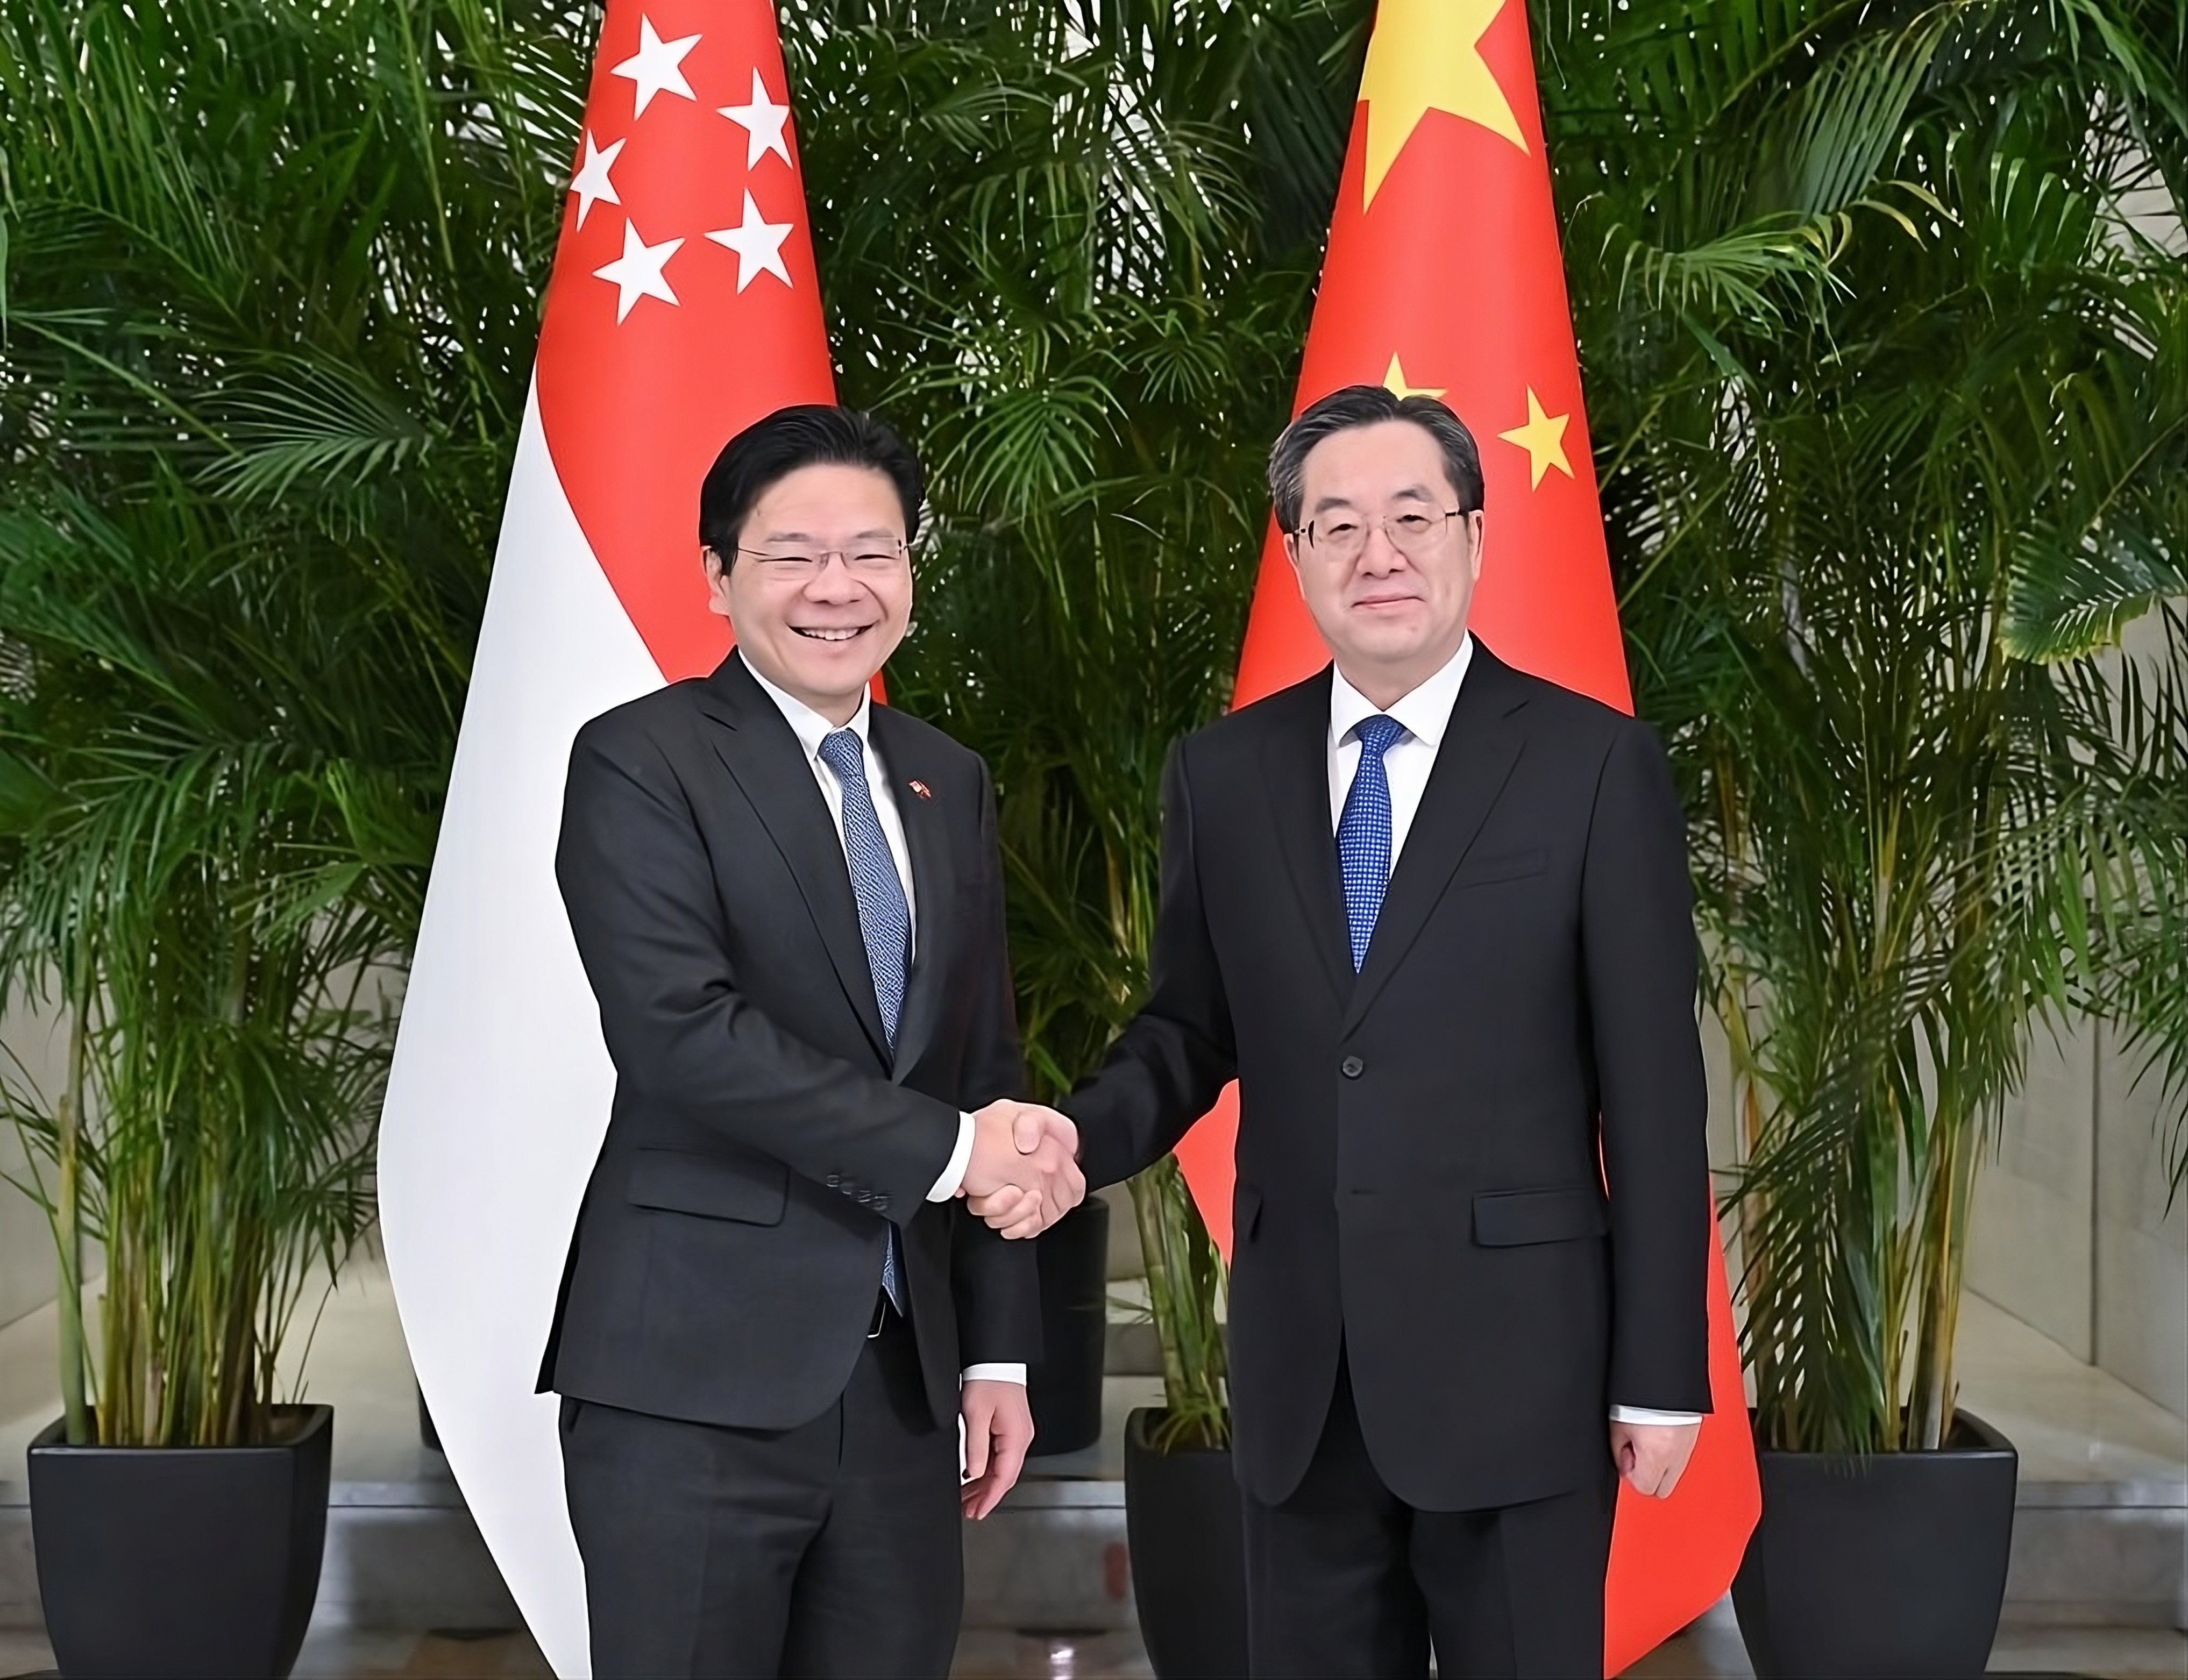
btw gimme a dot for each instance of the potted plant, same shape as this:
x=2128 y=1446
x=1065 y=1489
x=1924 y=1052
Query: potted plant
x=257 y=415
x=169 y=896
x=182 y=901
x=1883 y=501
x=211 y=1137
x=1183 y=1527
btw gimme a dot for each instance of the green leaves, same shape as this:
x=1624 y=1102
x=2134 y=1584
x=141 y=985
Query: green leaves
x=296 y=423
x=1888 y=377
x=273 y=273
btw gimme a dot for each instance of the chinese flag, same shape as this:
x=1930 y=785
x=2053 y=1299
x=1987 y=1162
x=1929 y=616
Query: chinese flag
x=1443 y=277
x=682 y=307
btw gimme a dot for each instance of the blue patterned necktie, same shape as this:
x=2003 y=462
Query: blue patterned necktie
x=1363 y=832
x=884 y=913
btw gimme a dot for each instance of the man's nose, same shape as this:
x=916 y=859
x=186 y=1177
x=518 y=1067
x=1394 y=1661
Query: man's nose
x=1378 y=554
x=833 y=581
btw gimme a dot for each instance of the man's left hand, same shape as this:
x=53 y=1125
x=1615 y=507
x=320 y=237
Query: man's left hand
x=1653 y=1456
x=998 y=1432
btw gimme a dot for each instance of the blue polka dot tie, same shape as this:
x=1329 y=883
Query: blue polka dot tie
x=884 y=916
x=1363 y=832
x=884 y=913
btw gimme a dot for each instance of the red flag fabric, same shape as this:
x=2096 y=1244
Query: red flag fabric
x=683 y=304
x=682 y=307
x=1444 y=277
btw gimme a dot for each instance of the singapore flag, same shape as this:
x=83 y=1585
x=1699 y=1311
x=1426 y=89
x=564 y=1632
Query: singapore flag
x=682 y=307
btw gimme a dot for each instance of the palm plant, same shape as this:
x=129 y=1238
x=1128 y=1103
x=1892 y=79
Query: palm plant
x=1892 y=390
x=1070 y=248
x=269 y=298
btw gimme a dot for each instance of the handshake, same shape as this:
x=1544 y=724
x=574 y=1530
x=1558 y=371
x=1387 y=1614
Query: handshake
x=1023 y=1174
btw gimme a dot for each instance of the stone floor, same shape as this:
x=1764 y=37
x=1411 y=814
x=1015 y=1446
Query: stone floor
x=1710 y=1650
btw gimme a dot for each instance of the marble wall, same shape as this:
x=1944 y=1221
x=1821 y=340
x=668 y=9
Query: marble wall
x=35 y=1052
x=2072 y=1232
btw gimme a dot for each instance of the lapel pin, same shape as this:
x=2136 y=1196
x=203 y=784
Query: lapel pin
x=922 y=789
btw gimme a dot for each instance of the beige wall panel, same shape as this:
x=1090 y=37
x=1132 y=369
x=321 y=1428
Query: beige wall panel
x=2028 y=1243
x=2141 y=1241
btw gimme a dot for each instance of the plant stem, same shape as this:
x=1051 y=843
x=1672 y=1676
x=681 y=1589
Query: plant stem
x=1155 y=1255
x=68 y=1231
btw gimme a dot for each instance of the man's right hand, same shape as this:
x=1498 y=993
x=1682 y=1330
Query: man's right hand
x=1023 y=1174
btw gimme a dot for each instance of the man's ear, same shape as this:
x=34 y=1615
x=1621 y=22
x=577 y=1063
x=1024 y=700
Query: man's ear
x=715 y=570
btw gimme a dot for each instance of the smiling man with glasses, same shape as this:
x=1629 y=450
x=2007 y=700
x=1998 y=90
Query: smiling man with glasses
x=1433 y=915
x=776 y=1312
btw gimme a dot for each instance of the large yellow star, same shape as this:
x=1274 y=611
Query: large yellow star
x=1396 y=380
x=1543 y=439
x=1426 y=55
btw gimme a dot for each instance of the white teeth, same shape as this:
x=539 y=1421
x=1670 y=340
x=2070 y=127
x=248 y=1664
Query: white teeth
x=831 y=635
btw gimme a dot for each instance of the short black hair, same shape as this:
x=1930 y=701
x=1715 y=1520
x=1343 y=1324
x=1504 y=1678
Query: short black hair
x=805 y=434
x=1357 y=405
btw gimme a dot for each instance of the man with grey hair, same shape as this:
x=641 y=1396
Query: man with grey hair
x=1433 y=915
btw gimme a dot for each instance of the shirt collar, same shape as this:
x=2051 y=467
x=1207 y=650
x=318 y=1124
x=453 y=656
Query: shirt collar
x=1425 y=712
x=809 y=726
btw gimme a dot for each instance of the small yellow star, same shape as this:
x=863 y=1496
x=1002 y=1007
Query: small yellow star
x=1395 y=380
x=1426 y=55
x=1543 y=439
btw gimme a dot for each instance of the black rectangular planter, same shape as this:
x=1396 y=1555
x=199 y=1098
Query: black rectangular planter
x=1064 y=1386
x=1185 y=1530
x=1891 y=1565
x=184 y=1561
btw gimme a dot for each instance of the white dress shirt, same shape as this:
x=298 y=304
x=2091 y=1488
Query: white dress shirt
x=1425 y=714
x=811 y=730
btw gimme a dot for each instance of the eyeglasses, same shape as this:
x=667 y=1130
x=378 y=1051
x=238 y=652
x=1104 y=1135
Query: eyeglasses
x=871 y=561
x=1341 y=539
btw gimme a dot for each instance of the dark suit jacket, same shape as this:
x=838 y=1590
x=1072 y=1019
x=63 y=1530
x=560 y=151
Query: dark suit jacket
x=729 y=1249
x=1418 y=1145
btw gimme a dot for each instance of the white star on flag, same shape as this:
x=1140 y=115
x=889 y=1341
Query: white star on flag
x=654 y=68
x=637 y=272
x=762 y=121
x=757 y=244
x=592 y=183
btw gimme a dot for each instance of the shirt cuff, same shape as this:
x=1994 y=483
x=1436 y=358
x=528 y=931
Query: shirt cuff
x=959 y=1158
x=995 y=1373
x=1644 y=1414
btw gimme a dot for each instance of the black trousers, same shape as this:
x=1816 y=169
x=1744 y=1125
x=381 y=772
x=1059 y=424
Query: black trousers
x=1344 y=1579
x=830 y=1549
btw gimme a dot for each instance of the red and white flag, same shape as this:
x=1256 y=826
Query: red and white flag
x=682 y=307
x=1444 y=277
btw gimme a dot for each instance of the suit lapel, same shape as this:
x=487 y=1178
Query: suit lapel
x=1296 y=761
x=934 y=882
x=761 y=750
x=1480 y=747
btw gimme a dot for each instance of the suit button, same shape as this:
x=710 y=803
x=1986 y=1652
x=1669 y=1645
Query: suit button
x=835 y=1180
x=1352 y=1067
x=866 y=1198
x=880 y=1202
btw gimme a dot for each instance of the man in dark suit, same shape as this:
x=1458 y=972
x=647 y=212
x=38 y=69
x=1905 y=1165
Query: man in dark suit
x=775 y=1311
x=1434 y=914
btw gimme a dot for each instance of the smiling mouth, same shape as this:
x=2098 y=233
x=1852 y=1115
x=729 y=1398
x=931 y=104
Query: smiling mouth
x=831 y=633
